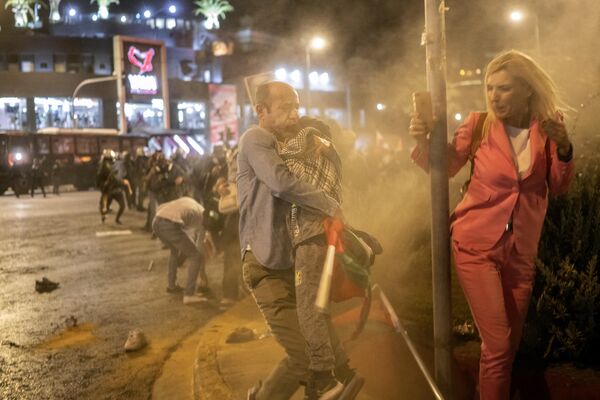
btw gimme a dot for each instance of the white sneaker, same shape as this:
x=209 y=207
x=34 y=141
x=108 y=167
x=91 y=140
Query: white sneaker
x=194 y=299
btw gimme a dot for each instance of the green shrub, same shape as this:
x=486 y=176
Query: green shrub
x=564 y=324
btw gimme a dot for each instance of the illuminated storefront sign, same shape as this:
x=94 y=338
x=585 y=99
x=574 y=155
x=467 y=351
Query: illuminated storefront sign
x=142 y=63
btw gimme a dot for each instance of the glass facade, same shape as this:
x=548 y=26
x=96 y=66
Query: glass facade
x=191 y=115
x=13 y=113
x=143 y=115
x=55 y=112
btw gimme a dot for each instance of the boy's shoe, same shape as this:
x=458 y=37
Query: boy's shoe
x=195 y=299
x=353 y=383
x=174 y=290
x=226 y=303
x=253 y=391
x=322 y=385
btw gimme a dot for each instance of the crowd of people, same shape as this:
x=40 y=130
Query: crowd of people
x=286 y=175
x=180 y=196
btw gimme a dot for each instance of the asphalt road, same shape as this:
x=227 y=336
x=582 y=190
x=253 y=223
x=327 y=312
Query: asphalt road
x=105 y=286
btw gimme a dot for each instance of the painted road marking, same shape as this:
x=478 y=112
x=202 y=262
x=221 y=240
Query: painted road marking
x=114 y=233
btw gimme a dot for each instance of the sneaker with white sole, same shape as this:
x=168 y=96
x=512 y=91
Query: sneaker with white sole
x=322 y=385
x=195 y=299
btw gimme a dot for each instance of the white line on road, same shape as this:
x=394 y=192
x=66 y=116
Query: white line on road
x=114 y=233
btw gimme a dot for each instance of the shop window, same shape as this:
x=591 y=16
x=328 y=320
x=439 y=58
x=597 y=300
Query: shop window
x=13 y=113
x=58 y=112
x=191 y=115
x=63 y=145
x=142 y=115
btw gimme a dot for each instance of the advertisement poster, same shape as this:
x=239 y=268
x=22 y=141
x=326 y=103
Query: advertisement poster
x=223 y=117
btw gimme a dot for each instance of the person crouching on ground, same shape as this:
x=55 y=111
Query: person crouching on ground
x=170 y=224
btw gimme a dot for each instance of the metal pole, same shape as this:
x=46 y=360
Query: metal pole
x=308 y=79
x=434 y=40
x=409 y=343
x=82 y=84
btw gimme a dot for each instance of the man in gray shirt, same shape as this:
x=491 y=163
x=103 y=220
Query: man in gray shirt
x=266 y=189
x=172 y=221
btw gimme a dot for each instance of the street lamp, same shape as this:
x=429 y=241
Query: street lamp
x=316 y=43
x=517 y=16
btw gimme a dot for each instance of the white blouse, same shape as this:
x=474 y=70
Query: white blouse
x=519 y=139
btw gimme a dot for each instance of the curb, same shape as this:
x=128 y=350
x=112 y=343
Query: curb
x=209 y=384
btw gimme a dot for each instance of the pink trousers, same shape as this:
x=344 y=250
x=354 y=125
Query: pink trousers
x=497 y=284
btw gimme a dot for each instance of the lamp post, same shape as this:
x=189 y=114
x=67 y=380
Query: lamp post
x=517 y=16
x=316 y=43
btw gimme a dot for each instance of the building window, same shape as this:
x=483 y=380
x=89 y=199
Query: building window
x=141 y=116
x=55 y=112
x=27 y=63
x=60 y=63
x=13 y=113
x=191 y=115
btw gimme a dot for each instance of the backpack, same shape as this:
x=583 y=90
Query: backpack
x=476 y=139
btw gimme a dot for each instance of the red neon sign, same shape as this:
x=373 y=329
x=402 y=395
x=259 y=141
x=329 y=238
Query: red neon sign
x=142 y=60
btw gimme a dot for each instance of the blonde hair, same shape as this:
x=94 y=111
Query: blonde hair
x=544 y=101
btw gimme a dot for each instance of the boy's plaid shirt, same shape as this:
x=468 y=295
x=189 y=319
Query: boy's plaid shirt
x=313 y=159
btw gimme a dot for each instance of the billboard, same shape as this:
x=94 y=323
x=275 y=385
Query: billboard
x=223 y=113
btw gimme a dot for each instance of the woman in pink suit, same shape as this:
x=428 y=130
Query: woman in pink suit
x=524 y=153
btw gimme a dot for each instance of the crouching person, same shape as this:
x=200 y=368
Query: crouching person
x=172 y=224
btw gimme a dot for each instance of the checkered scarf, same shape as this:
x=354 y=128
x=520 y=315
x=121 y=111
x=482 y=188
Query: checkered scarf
x=313 y=159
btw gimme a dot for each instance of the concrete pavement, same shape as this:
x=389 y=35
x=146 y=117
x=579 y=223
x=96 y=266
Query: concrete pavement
x=223 y=371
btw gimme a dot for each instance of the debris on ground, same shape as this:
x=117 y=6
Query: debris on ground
x=71 y=321
x=45 y=285
x=151 y=265
x=135 y=341
x=240 y=335
x=10 y=343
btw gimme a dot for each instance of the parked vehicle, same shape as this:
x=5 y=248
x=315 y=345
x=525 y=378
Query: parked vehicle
x=77 y=151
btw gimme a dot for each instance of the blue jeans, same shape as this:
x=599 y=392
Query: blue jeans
x=182 y=247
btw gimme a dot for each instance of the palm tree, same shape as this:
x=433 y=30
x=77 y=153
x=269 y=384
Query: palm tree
x=103 y=7
x=22 y=9
x=54 y=13
x=212 y=10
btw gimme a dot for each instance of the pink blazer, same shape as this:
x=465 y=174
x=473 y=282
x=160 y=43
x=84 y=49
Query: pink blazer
x=496 y=195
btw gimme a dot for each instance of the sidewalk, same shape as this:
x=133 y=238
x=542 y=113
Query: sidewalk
x=226 y=370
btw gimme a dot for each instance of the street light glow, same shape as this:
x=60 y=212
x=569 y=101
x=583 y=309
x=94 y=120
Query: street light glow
x=516 y=16
x=147 y=13
x=94 y=17
x=458 y=116
x=380 y=106
x=318 y=43
x=123 y=19
x=172 y=9
x=72 y=12
x=281 y=74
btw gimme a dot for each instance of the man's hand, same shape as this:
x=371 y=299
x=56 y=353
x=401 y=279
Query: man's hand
x=179 y=180
x=557 y=132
